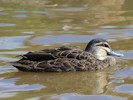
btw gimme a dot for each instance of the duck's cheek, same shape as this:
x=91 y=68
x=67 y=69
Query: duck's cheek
x=101 y=54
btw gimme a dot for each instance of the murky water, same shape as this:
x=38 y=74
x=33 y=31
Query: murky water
x=29 y=25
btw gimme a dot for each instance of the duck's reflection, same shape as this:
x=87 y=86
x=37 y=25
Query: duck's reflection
x=72 y=82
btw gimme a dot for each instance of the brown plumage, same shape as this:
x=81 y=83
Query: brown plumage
x=94 y=57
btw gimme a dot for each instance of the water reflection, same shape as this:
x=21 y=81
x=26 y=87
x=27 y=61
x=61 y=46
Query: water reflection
x=81 y=82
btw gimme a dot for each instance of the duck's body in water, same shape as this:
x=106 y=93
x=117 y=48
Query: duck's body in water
x=97 y=55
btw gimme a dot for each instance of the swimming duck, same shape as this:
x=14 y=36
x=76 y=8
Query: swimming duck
x=97 y=55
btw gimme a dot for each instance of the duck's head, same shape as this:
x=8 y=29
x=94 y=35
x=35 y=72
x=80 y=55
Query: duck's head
x=101 y=49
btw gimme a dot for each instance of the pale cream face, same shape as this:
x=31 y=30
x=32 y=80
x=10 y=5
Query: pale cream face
x=101 y=52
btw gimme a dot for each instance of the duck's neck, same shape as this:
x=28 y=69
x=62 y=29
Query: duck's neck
x=110 y=61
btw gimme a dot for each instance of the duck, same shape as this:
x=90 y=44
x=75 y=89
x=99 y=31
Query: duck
x=98 y=54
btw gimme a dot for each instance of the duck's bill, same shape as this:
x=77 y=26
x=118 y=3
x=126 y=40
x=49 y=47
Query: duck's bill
x=112 y=53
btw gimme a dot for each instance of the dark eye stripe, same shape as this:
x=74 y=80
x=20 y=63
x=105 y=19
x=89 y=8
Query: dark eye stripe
x=103 y=44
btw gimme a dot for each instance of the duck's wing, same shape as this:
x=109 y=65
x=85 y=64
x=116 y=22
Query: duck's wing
x=57 y=65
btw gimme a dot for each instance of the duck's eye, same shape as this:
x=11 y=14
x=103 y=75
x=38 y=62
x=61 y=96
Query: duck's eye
x=105 y=45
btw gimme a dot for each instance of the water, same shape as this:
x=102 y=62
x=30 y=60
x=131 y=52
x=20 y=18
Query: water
x=38 y=24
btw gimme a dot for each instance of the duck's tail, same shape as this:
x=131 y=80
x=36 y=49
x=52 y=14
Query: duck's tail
x=19 y=66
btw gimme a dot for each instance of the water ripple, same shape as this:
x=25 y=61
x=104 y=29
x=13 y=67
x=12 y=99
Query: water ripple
x=12 y=42
x=6 y=24
x=87 y=97
x=21 y=16
x=65 y=39
x=8 y=85
x=126 y=88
